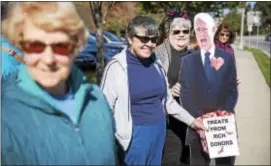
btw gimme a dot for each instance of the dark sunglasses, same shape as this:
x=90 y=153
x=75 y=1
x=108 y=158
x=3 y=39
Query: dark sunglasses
x=225 y=34
x=146 y=39
x=62 y=48
x=177 y=32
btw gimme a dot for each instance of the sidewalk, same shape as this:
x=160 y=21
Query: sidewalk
x=252 y=112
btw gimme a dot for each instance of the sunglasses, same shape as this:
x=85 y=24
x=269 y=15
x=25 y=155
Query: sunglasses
x=177 y=32
x=225 y=34
x=146 y=39
x=61 y=48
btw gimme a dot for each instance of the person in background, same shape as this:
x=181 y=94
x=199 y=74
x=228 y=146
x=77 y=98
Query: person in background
x=175 y=28
x=207 y=86
x=11 y=57
x=140 y=107
x=193 y=43
x=224 y=37
x=51 y=115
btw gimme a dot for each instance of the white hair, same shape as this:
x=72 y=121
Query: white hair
x=180 y=22
x=207 y=18
x=210 y=22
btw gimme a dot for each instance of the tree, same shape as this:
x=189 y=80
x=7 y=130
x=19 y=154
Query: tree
x=234 y=20
x=193 y=7
x=265 y=8
x=99 y=12
x=119 y=16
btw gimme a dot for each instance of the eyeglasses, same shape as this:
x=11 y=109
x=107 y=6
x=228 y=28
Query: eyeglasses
x=61 y=48
x=146 y=39
x=177 y=32
x=225 y=34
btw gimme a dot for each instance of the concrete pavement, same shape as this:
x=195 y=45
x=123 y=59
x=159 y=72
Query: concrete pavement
x=252 y=112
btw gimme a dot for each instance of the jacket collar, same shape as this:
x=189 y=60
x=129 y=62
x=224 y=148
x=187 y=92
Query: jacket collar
x=77 y=81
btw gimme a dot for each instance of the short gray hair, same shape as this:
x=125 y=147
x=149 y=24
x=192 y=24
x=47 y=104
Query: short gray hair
x=180 y=22
x=145 y=22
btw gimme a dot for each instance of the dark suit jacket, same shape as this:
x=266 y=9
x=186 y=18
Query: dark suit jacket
x=200 y=96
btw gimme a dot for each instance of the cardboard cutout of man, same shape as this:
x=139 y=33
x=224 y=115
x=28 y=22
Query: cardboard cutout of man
x=208 y=81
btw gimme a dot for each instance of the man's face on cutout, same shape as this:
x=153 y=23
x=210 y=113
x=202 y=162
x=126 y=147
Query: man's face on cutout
x=204 y=34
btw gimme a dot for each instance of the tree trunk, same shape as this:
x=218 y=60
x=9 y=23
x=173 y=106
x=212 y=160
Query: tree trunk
x=96 y=9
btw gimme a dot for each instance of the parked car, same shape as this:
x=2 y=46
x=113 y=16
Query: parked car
x=87 y=58
x=112 y=38
x=268 y=37
x=109 y=37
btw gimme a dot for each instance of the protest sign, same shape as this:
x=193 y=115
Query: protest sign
x=221 y=136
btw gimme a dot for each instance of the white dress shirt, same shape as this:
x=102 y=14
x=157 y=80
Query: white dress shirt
x=211 y=51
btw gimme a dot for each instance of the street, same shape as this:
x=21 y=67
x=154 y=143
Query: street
x=262 y=45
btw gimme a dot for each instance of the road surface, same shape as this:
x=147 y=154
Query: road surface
x=262 y=45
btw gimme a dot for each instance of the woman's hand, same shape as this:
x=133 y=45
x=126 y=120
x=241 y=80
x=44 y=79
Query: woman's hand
x=238 y=81
x=198 y=125
x=175 y=90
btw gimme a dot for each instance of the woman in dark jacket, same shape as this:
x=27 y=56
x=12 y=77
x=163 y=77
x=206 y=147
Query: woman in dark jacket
x=224 y=37
x=175 y=38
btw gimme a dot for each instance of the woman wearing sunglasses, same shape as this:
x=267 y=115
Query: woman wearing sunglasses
x=175 y=29
x=224 y=37
x=136 y=88
x=51 y=115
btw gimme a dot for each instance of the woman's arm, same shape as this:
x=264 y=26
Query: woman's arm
x=108 y=83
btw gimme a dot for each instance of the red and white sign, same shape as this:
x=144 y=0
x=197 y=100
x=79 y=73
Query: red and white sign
x=221 y=136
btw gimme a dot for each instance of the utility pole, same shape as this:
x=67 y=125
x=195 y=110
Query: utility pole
x=241 y=45
x=250 y=20
x=257 y=22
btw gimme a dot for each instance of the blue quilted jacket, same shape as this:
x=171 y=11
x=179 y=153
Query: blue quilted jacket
x=35 y=132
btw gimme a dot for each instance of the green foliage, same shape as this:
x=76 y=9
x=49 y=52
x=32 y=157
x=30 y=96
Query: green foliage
x=91 y=76
x=263 y=62
x=193 y=7
x=265 y=8
x=234 y=20
x=113 y=25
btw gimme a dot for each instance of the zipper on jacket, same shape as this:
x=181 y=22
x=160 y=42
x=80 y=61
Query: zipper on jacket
x=75 y=126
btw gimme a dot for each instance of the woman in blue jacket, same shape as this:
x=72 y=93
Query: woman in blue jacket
x=51 y=115
x=136 y=88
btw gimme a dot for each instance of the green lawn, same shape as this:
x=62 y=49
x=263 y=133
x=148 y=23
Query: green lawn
x=263 y=62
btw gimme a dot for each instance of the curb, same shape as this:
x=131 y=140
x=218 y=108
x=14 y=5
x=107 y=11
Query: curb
x=235 y=45
x=266 y=53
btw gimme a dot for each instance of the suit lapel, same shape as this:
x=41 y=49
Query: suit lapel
x=199 y=66
x=201 y=78
x=217 y=53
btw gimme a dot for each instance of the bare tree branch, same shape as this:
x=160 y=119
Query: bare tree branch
x=96 y=10
x=107 y=9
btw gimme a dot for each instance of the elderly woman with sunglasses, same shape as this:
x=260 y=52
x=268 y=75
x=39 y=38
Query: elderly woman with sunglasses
x=175 y=29
x=136 y=88
x=51 y=115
